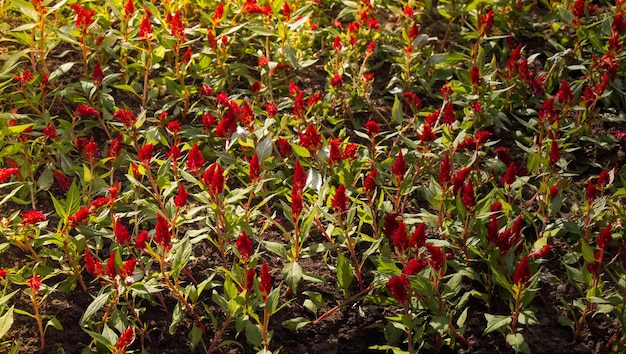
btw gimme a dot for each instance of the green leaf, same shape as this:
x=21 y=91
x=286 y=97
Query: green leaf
x=99 y=338
x=182 y=255
x=344 y=273
x=295 y=324
x=64 y=68
x=496 y=322
x=276 y=248
x=6 y=321
x=587 y=251
x=72 y=199
x=177 y=317
x=45 y=180
x=516 y=341
x=264 y=148
x=292 y=274
x=396 y=111
x=94 y=307
x=300 y=151
x=253 y=334
x=54 y=322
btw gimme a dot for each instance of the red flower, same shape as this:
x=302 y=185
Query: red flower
x=485 y=22
x=444 y=172
x=398 y=286
x=97 y=74
x=591 y=193
x=369 y=184
x=311 y=139
x=32 y=217
x=129 y=9
x=125 y=116
x=413 y=32
x=418 y=238
x=503 y=154
x=414 y=266
x=468 y=197
x=142 y=239
x=250 y=275
x=145 y=153
x=78 y=217
x=115 y=147
x=84 y=17
x=127 y=337
x=371 y=47
x=449 y=116
x=400 y=238
x=606 y=235
x=350 y=151
x=564 y=94
x=475 y=76
x=427 y=133
x=244 y=246
x=334 y=151
x=208 y=121
x=265 y=284
x=521 y=276
x=372 y=128
x=178 y=29
x=540 y=253
x=554 y=191
x=390 y=225
x=145 y=30
x=195 y=160
x=286 y=11
x=91 y=152
x=337 y=44
x=128 y=268
x=555 y=152
x=213 y=179
x=459 y=179
x=340 y=201
x=299 y=177
x=255 y=167
x=336 y=81
x=34 y=283
x=284 y=147
x=122 y=236
x=399 y=167
x=296 y=204
x=509 y=175
x=84 y=111
x=413 y=100
x=219 y=12
x=93 y=266
x=437 y=257
x=181 y=197
x=271 y=108
x=256 y=87
x=111 y=268
x=162 y=234
x=60 y=179
x=49 y=131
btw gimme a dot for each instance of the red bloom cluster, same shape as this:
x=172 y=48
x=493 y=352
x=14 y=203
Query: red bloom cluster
x=521 y=275
x=398 y=286
x=125 y=116
x=78 y=217
x=178 y=29
x=265 y=283
x=251 y=7
x=84 y=17
x=34 y=283
x=7 y=172
x=32 y=217
x=369 y=184
x=145 y=29
x=162 y=235
x=399 y=168
x=195 y=160
x=372 y=128
x=340 y=201
x=93 y=266
x=485 y=22
x=125 y=339
x=181 y=196
x=84 y=111
x=122 y=236
x=507 y=239
x=255 y=168
x=311 y=139
x=244 y=246
x=213 y=179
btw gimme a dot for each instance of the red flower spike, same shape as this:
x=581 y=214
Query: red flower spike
x=400 y=238
x=299 y=177
x=286 y=11
x=449 y=115
x=122 y=236
x=84 y=112
x=485 y=22
x=129 y=9
x=34 y=283
x=540 y=253
x=337 y=44
x=399 y=167
x=126 y=339
x=255 y=167
x=115 y=147
x=372 y=128
x=93 y=266
x=49 y=131
x=444 y=172
x=128 y=268
x=125 y=116
x=32 y=217
x=296 y=204
x=145 y=153
x=564 y=94
x=142 y=239
x=111 y=270
x=340 y=200
x=336 y=81
x=59 y=178
x=468 y=197
x=181 y=197
x=162 y=234
x=271 y=109
x=311 y=139
x=195 y=160
x=603 y=179
x=437 y=257
x=97 y=75
x=92 y=154
x=293 y=89
x=414 y=266
x=284 y=147
x=509 y=175
x=606 y=235
x=398 y=286
x=244 y=246
x=521 y=276
x=265 y=283
x=475 y=76
x=390 y=225
x=427 y=133
x=591 y=193
x=213 y=179
x=350 y=151
x=493 y=229
x=177 y=27
x=78 y=217
x=145 y=30
x=413 y=32
x=554 y=191
x=503 y=155
x=250 y=275
x=459 y=179
x=555 y=153
x=418 y=238
x=369 y=184
x=334 y=151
